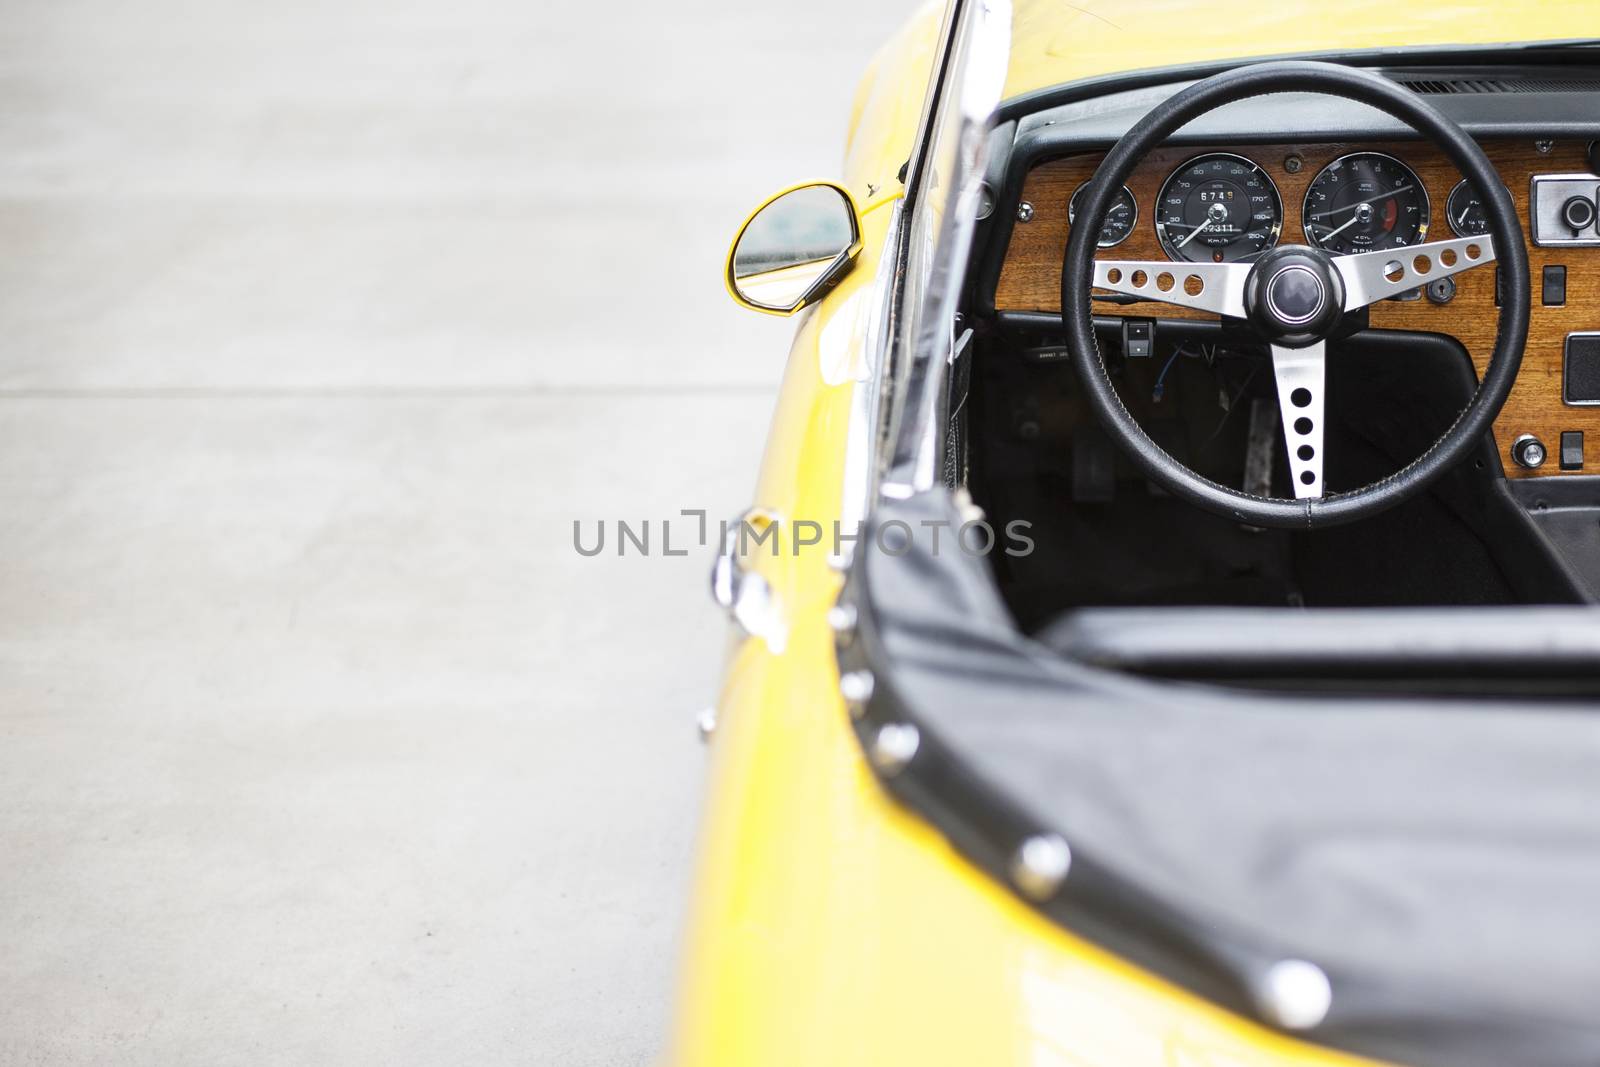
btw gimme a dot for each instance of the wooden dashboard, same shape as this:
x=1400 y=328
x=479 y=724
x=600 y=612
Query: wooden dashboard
x=1030 y=278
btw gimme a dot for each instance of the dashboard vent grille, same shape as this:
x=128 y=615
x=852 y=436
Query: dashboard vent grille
x=1458 y=86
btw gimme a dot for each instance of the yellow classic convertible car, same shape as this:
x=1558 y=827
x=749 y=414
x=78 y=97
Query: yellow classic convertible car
x=1165 y=629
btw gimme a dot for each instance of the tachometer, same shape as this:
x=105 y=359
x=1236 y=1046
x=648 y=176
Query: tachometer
x=1218 y=208
x=1119 y=220
x=1365 y=202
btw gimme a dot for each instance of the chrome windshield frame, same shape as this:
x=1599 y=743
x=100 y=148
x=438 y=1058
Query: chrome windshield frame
x=894 y=432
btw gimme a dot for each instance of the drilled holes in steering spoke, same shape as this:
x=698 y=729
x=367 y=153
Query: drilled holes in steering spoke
x=1214 y=287
x=1300 y=374
x=1373 y=276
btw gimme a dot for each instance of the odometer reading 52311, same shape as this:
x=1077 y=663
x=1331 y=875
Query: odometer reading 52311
x=1218 y=208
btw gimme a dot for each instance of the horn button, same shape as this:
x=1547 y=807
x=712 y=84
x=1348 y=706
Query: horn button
x=1294 y=296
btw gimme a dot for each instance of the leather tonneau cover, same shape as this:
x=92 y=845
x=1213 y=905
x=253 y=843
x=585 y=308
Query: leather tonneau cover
x=1461 y=643
x=1438 y=859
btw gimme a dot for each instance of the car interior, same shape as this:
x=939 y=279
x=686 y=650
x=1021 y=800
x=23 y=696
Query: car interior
x=1516 y=522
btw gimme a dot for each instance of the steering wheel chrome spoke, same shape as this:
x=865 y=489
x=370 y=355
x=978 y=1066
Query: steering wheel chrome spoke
x=1214 y=287
x=1373 y=276
x=1300 y=375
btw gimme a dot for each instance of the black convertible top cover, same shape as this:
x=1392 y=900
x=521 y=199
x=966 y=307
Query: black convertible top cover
x=1438 y=859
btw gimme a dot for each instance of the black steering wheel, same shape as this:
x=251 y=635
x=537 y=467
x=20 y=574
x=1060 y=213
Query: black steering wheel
x=1294 y=298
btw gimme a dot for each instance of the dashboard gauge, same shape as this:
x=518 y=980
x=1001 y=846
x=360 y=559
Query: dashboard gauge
x=1218 y=208
x=1465 y=213
x=1119 y=220
x=1365 y=202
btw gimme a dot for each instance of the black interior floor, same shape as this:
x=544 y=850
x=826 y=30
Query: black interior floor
x=1147 y=550
x=1460 y=543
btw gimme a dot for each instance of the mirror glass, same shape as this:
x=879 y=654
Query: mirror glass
x=793 y=245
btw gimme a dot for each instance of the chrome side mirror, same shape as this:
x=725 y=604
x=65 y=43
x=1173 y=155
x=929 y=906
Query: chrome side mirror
x=794 y=248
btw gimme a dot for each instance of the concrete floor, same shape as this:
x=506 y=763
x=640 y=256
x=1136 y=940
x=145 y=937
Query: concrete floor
x=322 y=323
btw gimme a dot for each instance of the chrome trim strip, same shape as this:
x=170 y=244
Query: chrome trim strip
x=938 y=235
x=745 y=595
x=866 y=393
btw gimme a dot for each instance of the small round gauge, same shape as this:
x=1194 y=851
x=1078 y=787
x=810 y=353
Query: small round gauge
x=1465 y=213
x=1365 y=202
x=1119 y=220
x=1218 y=208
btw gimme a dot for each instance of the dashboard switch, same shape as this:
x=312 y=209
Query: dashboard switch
x=1572 y=450
x=1138 y=338
x=1578 y=213
x=1528 y=451
x=1555 y=286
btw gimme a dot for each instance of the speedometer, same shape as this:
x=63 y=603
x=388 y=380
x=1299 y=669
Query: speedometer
x=1218 y=208
x=1366 y=202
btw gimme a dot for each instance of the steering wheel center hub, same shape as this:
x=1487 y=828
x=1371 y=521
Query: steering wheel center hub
x=1294 y=297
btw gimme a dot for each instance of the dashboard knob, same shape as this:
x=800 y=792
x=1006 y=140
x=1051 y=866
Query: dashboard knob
x=1528 y=451
x=1578 y=213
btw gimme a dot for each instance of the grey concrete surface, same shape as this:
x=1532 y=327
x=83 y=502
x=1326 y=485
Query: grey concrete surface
x=322 y=323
